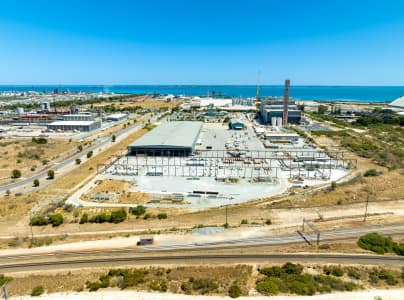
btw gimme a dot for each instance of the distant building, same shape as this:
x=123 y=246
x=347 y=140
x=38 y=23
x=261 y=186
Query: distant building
x=236 y=124
x=273 y=108
x=75 y=125
x=397 y=104
x=78 y=117
x=117 y=117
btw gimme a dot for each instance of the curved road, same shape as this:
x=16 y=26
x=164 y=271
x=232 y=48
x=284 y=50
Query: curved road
x=100 y=142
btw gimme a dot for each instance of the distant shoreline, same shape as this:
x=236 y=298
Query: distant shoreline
x=338 y=94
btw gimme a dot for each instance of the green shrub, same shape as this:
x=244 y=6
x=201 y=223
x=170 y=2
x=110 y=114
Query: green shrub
x=291 y=268
x=4 y=279
x=39 y=221
x=376 y=243
x=371 y=172
x=84 y=218
x=244 y=221
x=55 y=219
x=36 y=183
x=89 y=154
x=267 y=287
x=138 y=210
x=354 y=273
x=161 y=216
x=51 y=174
x=268 y=222
x=234 y=291
x=37 y=291
x=16 y=174
x=78 y=161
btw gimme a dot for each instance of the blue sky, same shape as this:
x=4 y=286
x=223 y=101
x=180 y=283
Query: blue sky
x=312 y=42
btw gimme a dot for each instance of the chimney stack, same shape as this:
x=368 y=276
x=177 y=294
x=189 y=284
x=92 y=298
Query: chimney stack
x=286 y=103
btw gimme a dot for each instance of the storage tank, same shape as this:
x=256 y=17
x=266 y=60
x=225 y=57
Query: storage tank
x=273 y=121
x=279 y=122
x=20 y=110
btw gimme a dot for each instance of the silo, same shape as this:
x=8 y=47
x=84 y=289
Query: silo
x=279 y=121
x=273 y=121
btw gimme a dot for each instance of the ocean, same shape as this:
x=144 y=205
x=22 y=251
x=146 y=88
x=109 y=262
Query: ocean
x=321 y=93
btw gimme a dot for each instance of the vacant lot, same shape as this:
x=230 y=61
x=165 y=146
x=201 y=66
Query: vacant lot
x=30 y=157
x=119 y=191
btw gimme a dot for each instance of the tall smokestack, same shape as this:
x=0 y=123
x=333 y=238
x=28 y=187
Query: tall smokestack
x=286 y=103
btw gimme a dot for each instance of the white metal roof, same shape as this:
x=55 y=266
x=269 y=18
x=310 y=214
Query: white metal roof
x=72 y=123
x=170 y=134
x=399 y=102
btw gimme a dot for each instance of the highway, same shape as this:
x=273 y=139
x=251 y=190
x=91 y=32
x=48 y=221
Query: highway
x=133 y=259
x=230 y=250
x=99 y=143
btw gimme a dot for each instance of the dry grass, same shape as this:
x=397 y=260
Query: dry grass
x=23 y=154
x=120 y=189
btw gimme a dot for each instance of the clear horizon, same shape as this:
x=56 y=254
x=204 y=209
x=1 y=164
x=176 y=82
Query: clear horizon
x=313 y=43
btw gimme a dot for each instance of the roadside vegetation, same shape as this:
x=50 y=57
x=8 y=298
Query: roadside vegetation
x=380 y=244
x=234 y=281
x=382 y=140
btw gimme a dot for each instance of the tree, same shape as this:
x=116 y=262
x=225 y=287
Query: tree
x=55 y=219
x=36 y=182
x=51 y=174
x=333 y=185
x=80 y=148
x=322 y=109
x=234 y=291
x=16 y=173
x=138 y=210
x=89 y=154
x=161 y=216
x=78 y=161
x=113 y=138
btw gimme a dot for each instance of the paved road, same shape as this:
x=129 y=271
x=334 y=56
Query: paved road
x=131 y=259
x=97 y=144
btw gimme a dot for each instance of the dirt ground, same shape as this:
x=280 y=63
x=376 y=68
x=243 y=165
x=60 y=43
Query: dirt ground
x=119 y=190
x=28 y=157
x=245 y=275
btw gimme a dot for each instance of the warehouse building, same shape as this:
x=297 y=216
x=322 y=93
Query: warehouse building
x=116 y=117
x=75 y=125
x=236 y=124
x=78 y=117
x=173 y=138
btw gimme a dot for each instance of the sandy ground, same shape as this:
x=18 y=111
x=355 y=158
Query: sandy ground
x=394 y=294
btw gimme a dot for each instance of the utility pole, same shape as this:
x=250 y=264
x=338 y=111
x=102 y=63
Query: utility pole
x=5 y=293
x=366 y=209
x=30 y=225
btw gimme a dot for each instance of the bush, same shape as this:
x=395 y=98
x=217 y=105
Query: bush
x=78 y=161
x=36 y=182
x=234 y=291
x=51 y=174
x=4 y=279
x=268 y=222
x=16 y=174
x=162 y=216
x=55 y=220
x=113 y=138
x=354 y=273
x=89 y=154
x=244 y=221
x=267 y=287
x=371 y=172
x=37 y=291
x=376 y=243
x=84 y=218
x=138 y=210
x=333 y=185
x=39 y=221
x=40 y=140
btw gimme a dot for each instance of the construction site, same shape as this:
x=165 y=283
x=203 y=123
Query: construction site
x=198 y=165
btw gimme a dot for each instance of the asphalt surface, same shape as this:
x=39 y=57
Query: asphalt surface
x=202 y=259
